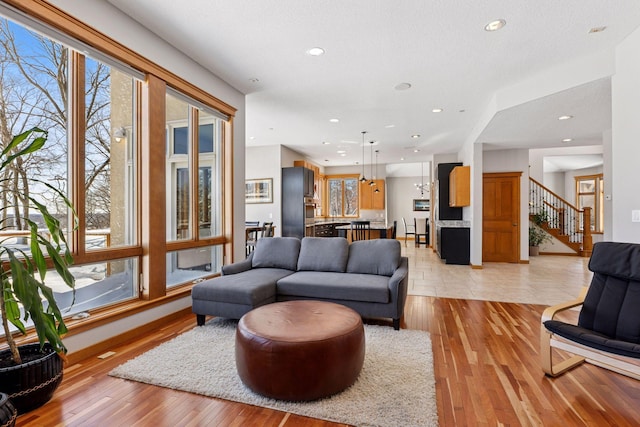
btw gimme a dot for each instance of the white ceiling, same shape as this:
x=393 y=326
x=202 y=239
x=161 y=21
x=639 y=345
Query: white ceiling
x=437 y=46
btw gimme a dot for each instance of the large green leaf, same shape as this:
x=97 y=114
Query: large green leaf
x=25 y=285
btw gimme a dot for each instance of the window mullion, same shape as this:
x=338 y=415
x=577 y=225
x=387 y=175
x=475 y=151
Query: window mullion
x=193 y=162
x=76 y=137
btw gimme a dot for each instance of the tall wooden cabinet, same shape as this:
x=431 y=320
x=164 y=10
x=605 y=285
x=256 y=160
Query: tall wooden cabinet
x=369 y=199
x=460 y=186
x=445 y=210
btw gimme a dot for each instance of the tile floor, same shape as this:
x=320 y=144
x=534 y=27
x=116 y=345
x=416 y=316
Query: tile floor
x=546 y=280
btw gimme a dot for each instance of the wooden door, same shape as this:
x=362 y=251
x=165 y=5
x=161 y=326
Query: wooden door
x=501 y=217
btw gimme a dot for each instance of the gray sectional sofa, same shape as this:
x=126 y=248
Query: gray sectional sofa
x=369 y=276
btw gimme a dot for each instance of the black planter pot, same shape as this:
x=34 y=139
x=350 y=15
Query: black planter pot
x=31 y=384
x=8 y=412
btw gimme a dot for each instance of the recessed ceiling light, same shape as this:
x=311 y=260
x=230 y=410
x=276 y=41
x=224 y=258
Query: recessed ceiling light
x=390 y=126
x=437 y=110
x=334 y=120
x=416 y=150
x=461 y=111
x=325 y=143
x=565 y=117
x=254 y=80
x=567 y=140
x=402 y=158
x=403 y=86
x=316 y=51
x=252 y=137
x=415 y=136
x=597 y=30
x=495 y=25
x=341 y=151
x=343 y=155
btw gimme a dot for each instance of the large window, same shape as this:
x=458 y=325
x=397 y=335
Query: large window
x=36 y=79
x=146 y=182
x=590 y=194
x=193 y=193
x=343 y=196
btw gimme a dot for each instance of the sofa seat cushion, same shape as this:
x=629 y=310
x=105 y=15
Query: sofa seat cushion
x=593 y=339
x=250 y=287
x=335 y=286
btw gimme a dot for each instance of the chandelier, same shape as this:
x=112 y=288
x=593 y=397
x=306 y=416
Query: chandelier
x=422 y=186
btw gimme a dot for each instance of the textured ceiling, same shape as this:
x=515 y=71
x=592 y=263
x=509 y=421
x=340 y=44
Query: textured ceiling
x=438 y=46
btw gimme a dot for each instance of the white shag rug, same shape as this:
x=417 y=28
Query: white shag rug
x=396 y=386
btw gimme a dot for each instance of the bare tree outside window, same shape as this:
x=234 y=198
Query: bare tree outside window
x=33 y=90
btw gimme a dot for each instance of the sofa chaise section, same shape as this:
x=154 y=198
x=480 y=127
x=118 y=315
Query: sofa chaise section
x=248 y=284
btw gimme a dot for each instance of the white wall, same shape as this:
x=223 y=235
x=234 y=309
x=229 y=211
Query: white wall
x=400 y=194
x=264 y=162
x=555 y=181
x=625 y=173
x=608 y=185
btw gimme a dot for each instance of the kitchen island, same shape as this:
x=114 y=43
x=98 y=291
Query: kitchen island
x=379 y=230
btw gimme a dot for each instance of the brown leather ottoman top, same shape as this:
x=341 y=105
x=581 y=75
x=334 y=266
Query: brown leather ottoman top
x=300 y=350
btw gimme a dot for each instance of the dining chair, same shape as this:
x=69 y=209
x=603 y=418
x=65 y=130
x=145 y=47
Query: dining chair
x=394 y=230
x=421 y=226
x=252 y=229
x=267 y=229
x=360 y=230
x=409 y=230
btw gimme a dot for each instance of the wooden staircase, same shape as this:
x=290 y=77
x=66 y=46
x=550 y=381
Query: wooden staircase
x=560 y=219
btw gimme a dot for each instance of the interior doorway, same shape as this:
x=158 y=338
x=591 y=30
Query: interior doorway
x=501 y=217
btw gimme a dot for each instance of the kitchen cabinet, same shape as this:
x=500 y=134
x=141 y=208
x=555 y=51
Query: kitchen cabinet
x=460 y=186
x=453 y=244
x=369 y=199
x=445 y=211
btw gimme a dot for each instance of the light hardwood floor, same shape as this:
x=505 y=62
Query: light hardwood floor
x=486 y=360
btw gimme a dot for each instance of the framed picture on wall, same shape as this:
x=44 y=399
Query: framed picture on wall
x=258 y=190
x=421 y=204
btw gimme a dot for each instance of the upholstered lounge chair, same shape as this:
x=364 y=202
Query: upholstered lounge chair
x=607 y=333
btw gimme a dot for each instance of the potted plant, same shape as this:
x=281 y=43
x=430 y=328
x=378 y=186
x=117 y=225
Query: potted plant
x=30 y=373
x=540 y=217
x=537 y=236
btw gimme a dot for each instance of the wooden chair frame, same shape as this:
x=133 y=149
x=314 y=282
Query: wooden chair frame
x=548 y=341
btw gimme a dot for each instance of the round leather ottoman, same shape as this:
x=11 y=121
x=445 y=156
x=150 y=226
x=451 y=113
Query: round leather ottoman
x=299 y=350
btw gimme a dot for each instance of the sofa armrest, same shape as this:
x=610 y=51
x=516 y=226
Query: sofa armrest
x=398 y=285
x=238 y=267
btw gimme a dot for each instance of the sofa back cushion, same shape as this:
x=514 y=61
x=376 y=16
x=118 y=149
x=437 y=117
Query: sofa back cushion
x=276 y=252
x=611 y=304
x=378 y=256
x=323 y=254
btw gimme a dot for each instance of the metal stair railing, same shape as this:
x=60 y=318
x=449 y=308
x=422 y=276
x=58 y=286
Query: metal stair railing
x=560 y=215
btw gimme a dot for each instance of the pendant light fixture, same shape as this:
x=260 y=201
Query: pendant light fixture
x=372 y=182
x=422 y=185
x=363 y=179
x=377 y=190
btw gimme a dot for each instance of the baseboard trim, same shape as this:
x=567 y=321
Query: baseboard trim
x=107 y=345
